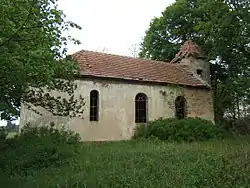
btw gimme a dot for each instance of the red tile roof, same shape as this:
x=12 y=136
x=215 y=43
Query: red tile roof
x=188 y=49
x=128 y=68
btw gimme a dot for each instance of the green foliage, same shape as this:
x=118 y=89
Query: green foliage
x=240 y=127
x=188 y=129
x=222 y=29
x=137 y=163
x=3 y=133
x=3 y=136
x=38 y=148
x=33 y=49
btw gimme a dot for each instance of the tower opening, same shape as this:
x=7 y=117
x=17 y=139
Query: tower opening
x=199 y=72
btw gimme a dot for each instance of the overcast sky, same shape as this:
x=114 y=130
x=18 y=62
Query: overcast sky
x=113 y=25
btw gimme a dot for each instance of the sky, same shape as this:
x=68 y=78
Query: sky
x=111 y=26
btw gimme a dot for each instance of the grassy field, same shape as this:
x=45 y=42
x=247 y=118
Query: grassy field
x=148 y=164
x=12 y=134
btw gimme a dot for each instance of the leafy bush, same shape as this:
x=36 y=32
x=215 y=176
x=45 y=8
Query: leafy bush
x=37 y=148
x=188 y=129
x=3 y=135
x=239 y=127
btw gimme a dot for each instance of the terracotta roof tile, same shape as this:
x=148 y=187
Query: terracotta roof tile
x=115 y=66
x=188 y=49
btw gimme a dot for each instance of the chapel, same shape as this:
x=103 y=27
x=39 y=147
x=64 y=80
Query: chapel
x=123 y=92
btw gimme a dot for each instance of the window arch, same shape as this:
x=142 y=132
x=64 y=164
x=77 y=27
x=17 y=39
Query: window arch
x=180 y=107
x=94 y=106
x=141 y=105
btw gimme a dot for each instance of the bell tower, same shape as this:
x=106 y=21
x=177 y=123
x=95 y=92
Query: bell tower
x=192 y=57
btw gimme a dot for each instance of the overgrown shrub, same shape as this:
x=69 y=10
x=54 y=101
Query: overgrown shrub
x=3 y=135
x=187 y=129
x=238 y=127
x=37 y=148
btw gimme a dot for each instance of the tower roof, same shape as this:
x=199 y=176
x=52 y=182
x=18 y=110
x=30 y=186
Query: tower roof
x=189 y=48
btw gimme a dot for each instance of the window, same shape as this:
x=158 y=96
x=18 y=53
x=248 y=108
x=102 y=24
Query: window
x=180 y=107
x=94 y=105
x=199 y=72
x=141 y=101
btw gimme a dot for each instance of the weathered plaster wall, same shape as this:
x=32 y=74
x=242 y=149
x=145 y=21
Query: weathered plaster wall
x=117 y=108
x=195 y=64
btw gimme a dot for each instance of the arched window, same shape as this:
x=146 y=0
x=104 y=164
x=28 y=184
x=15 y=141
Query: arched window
x=180 y=107
x=141 y=103
x=94 y=106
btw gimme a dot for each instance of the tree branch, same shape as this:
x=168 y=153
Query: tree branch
x=9 y=39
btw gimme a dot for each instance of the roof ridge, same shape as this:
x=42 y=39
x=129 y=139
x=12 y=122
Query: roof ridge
x=123 y=56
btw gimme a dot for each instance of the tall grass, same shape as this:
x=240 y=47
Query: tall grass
x=147 y=163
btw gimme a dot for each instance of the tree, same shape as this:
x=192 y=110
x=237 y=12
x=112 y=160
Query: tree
x=222 y=29
x=11 y=126
x=32 y=57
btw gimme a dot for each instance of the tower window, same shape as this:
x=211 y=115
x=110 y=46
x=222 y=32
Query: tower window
x=94 y=105
x=141 y=103
x=199 y=72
